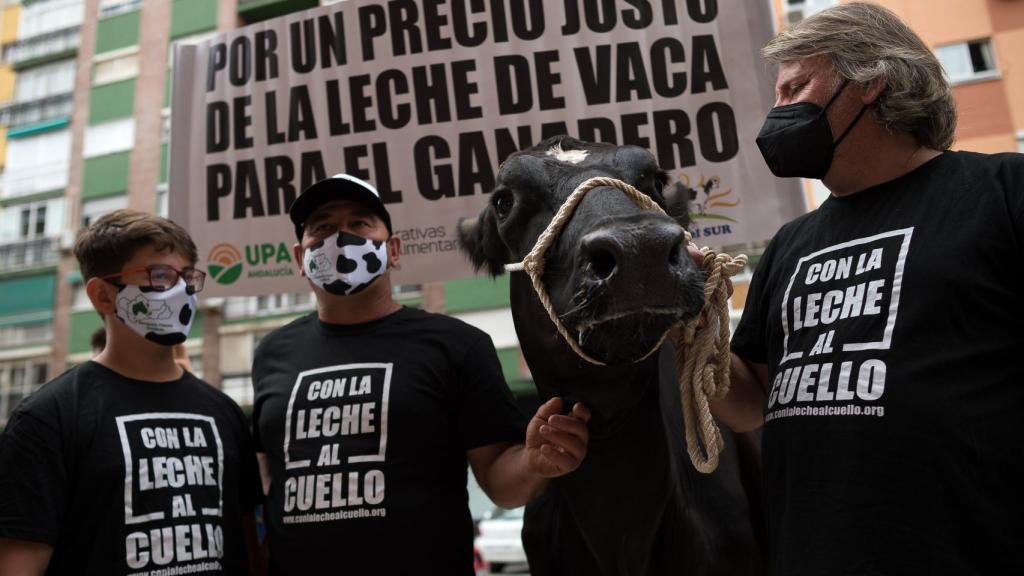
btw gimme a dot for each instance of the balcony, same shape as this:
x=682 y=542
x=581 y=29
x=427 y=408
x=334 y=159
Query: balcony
x=27 y=254
x=43 y=48
x=33 y=333
x=16 y=183
x=21 y=114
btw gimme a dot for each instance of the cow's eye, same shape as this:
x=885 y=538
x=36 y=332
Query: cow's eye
x=503 y=203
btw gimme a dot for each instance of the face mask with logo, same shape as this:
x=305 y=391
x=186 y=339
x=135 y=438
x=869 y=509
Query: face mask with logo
x=162 y=317
x=344 y=264
x=796 y=139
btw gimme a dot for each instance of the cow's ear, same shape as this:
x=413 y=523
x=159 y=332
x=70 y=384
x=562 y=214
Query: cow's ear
x=677 y=202
x=479 y=239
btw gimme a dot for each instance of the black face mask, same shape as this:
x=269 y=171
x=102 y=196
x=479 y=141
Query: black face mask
x=796 y=139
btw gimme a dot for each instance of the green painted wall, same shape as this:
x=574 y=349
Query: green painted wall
x=115 y=32
x=106 y=175
x=27 y=294
x=167 y=88
x=82 y=326
x=164 y=161
x=480 y=293
x=519 y=384
x=111 y=101
x=192 y=17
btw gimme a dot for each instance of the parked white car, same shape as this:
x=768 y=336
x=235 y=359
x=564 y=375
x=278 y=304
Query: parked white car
x=499 y=538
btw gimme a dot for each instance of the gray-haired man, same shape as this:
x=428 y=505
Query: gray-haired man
x=876 y=345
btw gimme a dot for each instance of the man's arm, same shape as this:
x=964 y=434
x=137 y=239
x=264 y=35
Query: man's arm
x=742 y=409
x=514 y=474
x=23 y=557
x=261 y=459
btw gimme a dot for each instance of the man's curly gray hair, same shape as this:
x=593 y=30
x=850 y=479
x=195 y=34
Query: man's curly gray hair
x=868 y=43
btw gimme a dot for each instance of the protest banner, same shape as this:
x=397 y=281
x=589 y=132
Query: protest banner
x=424 y=100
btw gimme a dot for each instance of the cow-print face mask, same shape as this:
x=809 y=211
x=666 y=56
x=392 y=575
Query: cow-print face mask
x=162 y=317
x=344 y=264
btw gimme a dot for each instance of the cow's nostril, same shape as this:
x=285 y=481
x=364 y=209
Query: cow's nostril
x=673 y=255
x=602 y=262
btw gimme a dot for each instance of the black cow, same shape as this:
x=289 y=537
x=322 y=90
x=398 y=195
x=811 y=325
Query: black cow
x=618 y=276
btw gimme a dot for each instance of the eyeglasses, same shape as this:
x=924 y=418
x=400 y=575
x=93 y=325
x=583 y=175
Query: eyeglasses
x=163 y=277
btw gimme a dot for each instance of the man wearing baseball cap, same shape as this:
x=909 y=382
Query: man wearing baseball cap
x=367 y=412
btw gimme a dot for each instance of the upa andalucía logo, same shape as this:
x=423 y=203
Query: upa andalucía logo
x=225 y=263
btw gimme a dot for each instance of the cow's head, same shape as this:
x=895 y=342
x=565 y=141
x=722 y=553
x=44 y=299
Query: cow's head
x=618 y=276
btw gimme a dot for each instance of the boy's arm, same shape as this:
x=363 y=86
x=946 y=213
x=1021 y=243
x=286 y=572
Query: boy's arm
x=23 y=557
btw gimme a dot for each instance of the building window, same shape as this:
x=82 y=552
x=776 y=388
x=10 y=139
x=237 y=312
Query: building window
x=161 y=200
x=30 y=221
x=407 y=291
x=95 y=209
x=42 y=81
x=40 y=222
x=116 y=68
x=28 y=234
x=238 y=387
x=18 y=379
x=109 y=137
x=37 y=163
x=46 y=16
x=25 y=335
x=967 y=61
x=196 y=361
x=797 y=10
x=80 y=298
x=272 y=304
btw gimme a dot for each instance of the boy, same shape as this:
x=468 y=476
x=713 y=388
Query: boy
x=128 y=463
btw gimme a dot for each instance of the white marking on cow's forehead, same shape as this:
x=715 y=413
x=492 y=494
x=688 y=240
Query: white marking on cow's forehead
x=570 y=156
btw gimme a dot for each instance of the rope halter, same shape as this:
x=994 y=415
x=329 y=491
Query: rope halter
x=533 y=263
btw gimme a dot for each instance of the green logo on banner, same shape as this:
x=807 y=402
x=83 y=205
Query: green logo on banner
x=225 y=263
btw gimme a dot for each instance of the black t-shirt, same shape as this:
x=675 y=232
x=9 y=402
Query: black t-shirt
x=888 y=320
x=123 y=476
x=366 y=429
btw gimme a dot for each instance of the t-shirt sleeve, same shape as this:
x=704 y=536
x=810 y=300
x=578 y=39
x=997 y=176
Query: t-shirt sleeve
x=749 y=341
x=487 y=411
x=33 y=478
